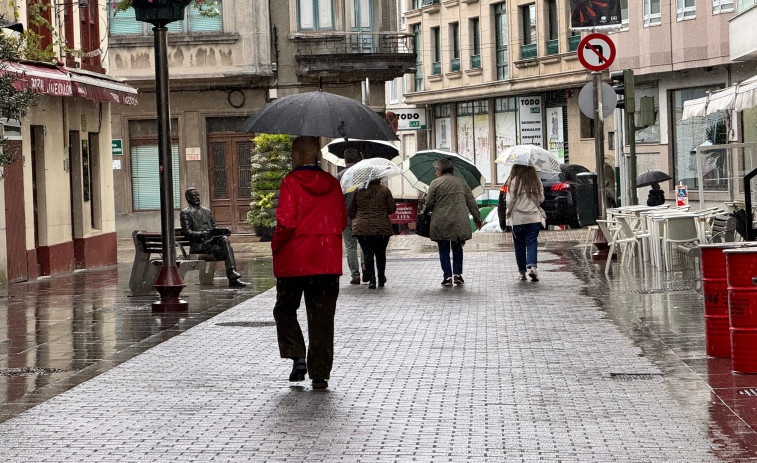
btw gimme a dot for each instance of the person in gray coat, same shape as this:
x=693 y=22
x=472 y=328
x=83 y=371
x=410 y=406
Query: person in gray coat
x=450 y=200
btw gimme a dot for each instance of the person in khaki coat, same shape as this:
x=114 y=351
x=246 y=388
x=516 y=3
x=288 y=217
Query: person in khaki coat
x=450 y=200
x=370 y=210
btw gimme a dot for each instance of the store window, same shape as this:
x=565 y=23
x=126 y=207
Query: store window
x=690 y=133
x=506 y=131
x=125 y=23
x=143 y=143
x=647 y=114
x=442 y=128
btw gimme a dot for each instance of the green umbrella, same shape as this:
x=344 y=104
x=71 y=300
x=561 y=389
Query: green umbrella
x=419 y=170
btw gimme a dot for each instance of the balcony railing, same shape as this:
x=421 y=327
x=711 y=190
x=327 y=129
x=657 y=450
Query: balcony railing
x=553 y=47
x=528 y=51
x=436 y=68
x=573 y=42
x=354 y=43
x=455 y=64
x=475 y=61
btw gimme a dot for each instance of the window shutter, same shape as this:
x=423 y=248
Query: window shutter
x=124 y=22
x=146 y=179
x=200 y=23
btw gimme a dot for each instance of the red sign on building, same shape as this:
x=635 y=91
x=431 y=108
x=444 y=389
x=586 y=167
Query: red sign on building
x=405 y=213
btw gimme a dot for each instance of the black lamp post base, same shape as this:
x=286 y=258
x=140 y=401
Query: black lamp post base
x=169 y=285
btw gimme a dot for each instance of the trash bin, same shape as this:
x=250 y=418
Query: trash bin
x=586 y=198
x=741 y=264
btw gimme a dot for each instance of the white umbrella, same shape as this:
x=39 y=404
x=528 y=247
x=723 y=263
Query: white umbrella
x=367 y=170
x=334 y=151
x=530 y=155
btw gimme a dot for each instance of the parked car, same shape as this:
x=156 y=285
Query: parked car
x=559 y=196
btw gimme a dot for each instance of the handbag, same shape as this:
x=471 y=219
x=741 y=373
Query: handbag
x=423 y=224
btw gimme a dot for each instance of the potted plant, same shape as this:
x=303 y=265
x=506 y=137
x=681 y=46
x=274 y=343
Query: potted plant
x=271 y=162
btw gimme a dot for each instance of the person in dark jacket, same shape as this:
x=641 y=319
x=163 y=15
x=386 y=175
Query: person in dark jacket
x=656 y=196
x=351 y=157
x=307 y=259
x=370 y=210
x=450 y=199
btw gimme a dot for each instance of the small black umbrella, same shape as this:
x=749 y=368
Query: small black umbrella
x=648 y=178
x=319 y=114
x=334 y=151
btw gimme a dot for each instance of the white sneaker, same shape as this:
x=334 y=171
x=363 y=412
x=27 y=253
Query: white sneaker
x=532 y=274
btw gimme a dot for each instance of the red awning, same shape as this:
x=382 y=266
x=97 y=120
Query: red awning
x=40 y=79
x=60 y=81
x=103 y=89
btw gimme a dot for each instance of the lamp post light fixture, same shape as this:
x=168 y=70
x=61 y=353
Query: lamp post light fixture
x=159 y=13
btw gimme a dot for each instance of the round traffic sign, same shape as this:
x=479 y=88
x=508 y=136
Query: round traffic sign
x=596 y=52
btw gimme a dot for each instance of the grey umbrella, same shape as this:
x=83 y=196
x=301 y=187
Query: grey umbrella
x=319 y=114
x=648 y=178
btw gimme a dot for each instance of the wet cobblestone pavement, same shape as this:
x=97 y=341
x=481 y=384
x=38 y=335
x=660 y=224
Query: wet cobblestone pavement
x=578 y=367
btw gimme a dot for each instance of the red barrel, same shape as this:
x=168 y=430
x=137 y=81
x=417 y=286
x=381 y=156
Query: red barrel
x=715 y=294
x=741 y=264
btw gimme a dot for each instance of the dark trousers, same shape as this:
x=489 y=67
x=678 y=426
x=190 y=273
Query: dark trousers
x=374 y=247
x=321 y=292
x=525 y=240
x=220 y=248
x=457 y=257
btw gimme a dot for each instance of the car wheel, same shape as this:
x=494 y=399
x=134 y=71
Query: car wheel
x=575 y=223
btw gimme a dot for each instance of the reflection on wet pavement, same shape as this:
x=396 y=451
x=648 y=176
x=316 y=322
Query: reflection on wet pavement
x=59 y=332
x=662 y=312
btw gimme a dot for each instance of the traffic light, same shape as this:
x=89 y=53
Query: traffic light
x=622 y=83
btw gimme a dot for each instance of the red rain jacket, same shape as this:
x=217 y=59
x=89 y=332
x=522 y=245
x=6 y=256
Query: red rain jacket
x=311 y=216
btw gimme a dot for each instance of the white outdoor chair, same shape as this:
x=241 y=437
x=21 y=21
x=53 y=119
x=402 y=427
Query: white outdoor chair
x=678 y=229
x=613 y=232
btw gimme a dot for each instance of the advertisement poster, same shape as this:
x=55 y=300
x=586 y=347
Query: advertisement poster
x=506 y=131
x=481 y=133
x=555 y=136
x=405 y=213
x=529 y=110
x=594 y=13
x=465 y=137
x=443 y=134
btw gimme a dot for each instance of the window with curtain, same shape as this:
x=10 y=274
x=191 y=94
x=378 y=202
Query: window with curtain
x=125 y=22
x=313 y=15
x=500 y=32
x=722 y=6
x=685 y=9
x=651 y=12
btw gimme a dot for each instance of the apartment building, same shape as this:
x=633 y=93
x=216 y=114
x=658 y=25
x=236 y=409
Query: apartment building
x=492 y=74
x=222 y=70
x=57 y=195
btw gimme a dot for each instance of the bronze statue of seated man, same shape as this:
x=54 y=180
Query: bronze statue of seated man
x=198 y=225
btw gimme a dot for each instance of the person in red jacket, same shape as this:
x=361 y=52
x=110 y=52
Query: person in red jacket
x=307 y=259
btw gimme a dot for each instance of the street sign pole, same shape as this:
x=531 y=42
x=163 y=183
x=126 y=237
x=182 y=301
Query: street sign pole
x=599 y=145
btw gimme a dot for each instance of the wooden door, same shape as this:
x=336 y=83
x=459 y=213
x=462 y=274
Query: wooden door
x=15 y=218
x=229 y=170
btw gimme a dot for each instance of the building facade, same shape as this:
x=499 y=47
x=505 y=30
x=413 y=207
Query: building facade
x=58 y=193
x=493 y=74
x=222 y=70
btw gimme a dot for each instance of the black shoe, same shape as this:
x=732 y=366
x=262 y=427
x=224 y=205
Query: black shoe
x=458 y=279
x=381 y=282
x=366 y=278
x=372 y=284
x=298 y=370
x=320 y=384
x=447 y=282
x=236 y=283
x=355 y=281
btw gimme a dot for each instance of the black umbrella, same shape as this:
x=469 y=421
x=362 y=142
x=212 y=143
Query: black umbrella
x=319 y=114
x=648 y=178
x=334 y=151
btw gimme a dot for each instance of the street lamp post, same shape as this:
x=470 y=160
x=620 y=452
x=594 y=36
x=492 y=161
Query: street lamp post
x=169 y=283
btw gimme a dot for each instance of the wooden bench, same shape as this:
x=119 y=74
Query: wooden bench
x=723 y=231
x=148 y=259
